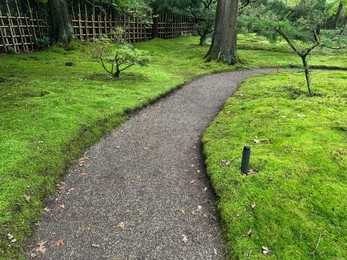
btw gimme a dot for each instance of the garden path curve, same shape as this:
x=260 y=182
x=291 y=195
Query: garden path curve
x=143 y=193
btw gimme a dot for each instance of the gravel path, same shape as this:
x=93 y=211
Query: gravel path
x=142 y=192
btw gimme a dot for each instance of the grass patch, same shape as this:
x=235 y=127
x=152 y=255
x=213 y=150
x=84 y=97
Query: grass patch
x=300 y=152
x=51 y=112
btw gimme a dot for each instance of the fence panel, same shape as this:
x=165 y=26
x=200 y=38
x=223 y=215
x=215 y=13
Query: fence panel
x=19 y=32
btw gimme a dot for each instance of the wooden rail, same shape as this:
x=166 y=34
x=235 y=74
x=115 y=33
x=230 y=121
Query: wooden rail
x=19 y=32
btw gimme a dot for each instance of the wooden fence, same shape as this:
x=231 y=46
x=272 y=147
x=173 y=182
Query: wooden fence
x=88 y=25
x=19 y=32
x=172 y=26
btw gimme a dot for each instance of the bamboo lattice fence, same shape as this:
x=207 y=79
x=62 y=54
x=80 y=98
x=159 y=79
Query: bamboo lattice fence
x=172 y=26
x=19 y=31
x=90 y=24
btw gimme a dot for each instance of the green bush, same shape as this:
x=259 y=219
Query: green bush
x=116 y=55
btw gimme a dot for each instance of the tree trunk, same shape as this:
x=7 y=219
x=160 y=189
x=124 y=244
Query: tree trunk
x=307 y=75
x=155 y=17
x=203 y=36
x=61 y=21
x=338 y=14
x=224 y=40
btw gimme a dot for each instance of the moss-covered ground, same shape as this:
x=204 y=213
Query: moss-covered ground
x=51 y=112
x=295 y=203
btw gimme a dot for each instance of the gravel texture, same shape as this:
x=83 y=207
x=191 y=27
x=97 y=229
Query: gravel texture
x=142 y=191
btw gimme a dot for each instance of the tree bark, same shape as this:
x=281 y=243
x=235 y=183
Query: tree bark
x=224 y=40
x=338 y=14
x=307 y=75
x=155 y=17
x=61 y=21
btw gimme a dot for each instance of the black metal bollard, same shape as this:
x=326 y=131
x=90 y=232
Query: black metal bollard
x=246 y=154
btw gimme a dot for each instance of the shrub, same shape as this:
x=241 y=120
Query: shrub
x=43 y=43
x=116 y=55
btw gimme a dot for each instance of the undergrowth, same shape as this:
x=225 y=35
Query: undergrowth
x=293 y=206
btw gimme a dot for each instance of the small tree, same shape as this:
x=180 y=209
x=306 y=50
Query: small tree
x=116 y=55
x=300 y=24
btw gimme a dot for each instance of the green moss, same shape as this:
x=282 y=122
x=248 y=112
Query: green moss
x=299 y=149
x=51 y=112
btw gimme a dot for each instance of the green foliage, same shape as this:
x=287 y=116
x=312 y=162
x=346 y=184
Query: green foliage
x=299 y=149
x=116 y=55
x=202 y=12
x=43 y=43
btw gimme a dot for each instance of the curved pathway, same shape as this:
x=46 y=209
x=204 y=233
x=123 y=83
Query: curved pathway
x=142 y=192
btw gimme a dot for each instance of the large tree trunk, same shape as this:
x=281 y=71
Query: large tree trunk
x=224 y=40
x=155 y=17
x=61 y=21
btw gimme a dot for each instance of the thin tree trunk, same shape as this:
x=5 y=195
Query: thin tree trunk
x=307 y=75
x=338 y=14
x=224 y=40
x=61 y=21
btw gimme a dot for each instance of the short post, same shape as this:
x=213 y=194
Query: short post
x=246 y=154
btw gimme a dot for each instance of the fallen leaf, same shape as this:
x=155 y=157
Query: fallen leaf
x=121 y=225
x=249 y=233
x=70 y=190
x=182 y=210
x=256 y=140
x=60 y=185
x=215 y=251
x=265 y=140
x=184 y=238
x=27 y=198
x=225 y=163
x=41 y=247
x=138 y=177
x=265 y=250
x=82 y=161
x=62 y=206
x=251 y=171
x=59 y=243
